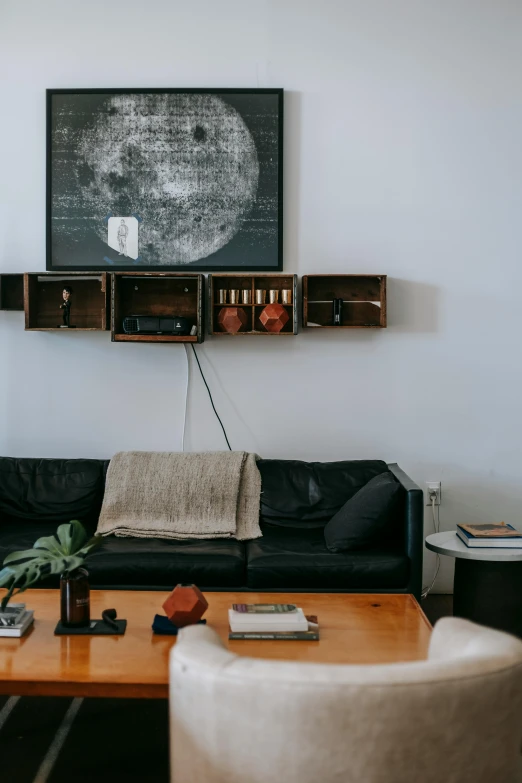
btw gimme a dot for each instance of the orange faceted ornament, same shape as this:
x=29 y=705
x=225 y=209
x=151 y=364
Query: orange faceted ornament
x=185 y=605
x=232 y=319
x=274 y=317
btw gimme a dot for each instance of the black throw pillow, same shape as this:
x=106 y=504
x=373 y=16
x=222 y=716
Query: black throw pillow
x=362 y=519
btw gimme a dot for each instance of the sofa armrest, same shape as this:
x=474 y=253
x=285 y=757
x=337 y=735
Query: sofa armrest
x=413 y=510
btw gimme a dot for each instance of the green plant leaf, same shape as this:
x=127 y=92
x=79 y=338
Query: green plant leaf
x=27 y=553
x=50 y=543
x=79 y=536
x=6 y=574
x=7 y=597
x=71 y=537
x=64 y=536
x=49 y=556
x=18 y=578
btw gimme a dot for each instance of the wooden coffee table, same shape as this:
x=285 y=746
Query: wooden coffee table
x=355 y=628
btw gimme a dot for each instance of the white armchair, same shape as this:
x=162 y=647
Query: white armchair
x=455 y=718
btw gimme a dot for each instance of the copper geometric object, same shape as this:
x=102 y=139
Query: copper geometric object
x=185 y=605
x=232 y=319
x=274 y=317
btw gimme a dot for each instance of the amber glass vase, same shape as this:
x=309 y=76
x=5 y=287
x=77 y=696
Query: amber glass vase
x=75 y=599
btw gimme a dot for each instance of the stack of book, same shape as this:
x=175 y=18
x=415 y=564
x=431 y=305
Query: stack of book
x=285 y=622
x=15 y=619
x=498 y=536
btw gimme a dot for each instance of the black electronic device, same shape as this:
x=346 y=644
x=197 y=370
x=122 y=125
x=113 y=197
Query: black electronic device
x=151 y=324
x=337 y=312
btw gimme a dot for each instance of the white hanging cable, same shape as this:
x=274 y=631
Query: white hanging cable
x=186 y=397
x=436 y=528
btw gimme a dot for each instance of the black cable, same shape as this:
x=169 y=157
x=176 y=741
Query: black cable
x=210 y=395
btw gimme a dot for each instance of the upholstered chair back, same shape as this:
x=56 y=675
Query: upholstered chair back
x=454 y=718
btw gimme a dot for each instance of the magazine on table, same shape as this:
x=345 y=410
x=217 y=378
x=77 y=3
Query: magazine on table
x=492 y=536
x=282 y=622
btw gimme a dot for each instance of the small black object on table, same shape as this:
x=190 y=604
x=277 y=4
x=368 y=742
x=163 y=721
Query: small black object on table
x=107 y=626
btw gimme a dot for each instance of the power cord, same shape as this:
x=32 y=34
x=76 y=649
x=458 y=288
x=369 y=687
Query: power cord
x=210 y=395
x=436 y=528
x=186 y=400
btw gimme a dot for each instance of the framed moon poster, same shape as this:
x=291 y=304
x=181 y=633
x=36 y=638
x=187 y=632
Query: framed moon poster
x=165 y=179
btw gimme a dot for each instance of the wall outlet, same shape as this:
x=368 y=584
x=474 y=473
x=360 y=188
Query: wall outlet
x=433 y=486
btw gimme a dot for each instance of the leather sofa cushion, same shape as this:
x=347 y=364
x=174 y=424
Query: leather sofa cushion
x=364 y=518
x=56 y=490
x=308 y=494
x=286 y=558
x=139 y=562
x=160 y=562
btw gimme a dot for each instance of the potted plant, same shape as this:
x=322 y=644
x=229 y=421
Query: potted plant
x=62 y=554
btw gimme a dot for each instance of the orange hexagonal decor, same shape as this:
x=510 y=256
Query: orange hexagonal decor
x=274 y=317
x=185 y=605
x=232 y=319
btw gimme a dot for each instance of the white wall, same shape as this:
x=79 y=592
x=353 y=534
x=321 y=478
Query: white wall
x=403 y=149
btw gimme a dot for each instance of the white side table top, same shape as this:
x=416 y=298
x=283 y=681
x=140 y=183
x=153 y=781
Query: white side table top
x=448 y=543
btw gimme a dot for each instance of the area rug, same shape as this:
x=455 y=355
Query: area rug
x=50 y=740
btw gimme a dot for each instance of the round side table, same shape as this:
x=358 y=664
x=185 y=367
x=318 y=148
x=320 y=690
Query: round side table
x=488 y=582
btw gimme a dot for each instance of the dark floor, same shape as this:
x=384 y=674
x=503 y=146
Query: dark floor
x=110 y=740
x=437 y=606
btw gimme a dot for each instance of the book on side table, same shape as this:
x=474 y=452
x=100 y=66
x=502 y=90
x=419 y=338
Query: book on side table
x=281 y=622
x=498 y=536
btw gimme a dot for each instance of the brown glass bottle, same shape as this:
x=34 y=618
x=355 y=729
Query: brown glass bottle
x=75 y=599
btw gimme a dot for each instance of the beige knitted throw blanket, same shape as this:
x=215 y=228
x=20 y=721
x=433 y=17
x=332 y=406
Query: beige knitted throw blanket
x=152 y=494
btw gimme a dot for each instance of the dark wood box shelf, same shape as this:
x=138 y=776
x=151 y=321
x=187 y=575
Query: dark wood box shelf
x=265 y=281
x=158 y=294
x=364 y=301
x=90 y=300
x=11 y=291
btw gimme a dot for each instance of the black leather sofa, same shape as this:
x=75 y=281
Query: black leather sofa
x=297 y=500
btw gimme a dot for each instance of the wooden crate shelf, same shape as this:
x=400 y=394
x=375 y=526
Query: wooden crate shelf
x=364 y=301
x=262 y=280
x=11 y=291
x=90 y=301
x=157 y=294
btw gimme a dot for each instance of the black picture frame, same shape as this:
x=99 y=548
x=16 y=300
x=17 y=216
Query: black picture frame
x=246 y=251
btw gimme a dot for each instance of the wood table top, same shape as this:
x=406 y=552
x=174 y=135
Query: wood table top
x=355 y=628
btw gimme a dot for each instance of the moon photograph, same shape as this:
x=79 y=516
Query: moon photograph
x=199 y=172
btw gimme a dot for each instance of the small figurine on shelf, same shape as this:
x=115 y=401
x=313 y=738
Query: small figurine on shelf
x=66 y=307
